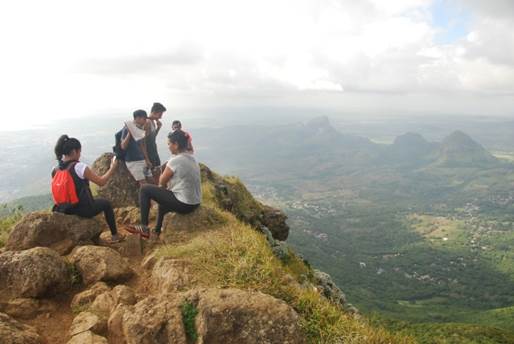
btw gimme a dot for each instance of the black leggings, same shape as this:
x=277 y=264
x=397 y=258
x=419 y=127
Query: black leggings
x=167 y=203
x=99 y=205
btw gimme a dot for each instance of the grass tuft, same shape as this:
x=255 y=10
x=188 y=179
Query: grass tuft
x=189 y=313
x=6 y=225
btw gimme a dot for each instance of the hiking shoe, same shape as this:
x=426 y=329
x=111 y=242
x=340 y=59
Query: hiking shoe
x=143 y=231
x=116 y=238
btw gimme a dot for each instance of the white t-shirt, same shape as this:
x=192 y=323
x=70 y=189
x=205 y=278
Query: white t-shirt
x=80 y=168
x=186 y=181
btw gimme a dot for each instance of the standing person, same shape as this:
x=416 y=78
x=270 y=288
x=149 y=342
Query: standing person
x=75 y=197
x=177 y=125
x=136 y=156
x=153 y=126
x=179 y=187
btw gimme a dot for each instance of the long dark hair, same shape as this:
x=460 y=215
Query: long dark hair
x=179 y=137
x=65 y=145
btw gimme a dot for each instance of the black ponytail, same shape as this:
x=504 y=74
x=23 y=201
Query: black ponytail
x=65 y=145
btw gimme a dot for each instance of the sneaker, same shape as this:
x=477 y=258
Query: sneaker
x=143 y=231
x=116 y=238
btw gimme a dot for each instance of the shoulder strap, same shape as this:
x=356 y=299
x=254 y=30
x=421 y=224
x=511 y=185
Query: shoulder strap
x=71 y=165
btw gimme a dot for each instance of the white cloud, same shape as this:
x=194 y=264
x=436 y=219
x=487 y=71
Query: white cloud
x=62 y=56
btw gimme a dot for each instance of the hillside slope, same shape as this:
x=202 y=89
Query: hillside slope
x=215 y=276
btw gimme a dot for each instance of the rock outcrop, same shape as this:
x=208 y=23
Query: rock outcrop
x=235 y=316
x=230 y=194
x=87 y=321
x=14 y=332
x=223 y=316
x=122 y=189
x=87 y=337
x=87 y=296
x=33 y=273
x=177 y=226
x=97 y=263
x=26 y=308
x=170 y=275
x=153 y=320
x=54 y=230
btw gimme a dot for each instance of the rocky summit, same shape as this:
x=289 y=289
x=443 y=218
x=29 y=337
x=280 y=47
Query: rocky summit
x=221 y=274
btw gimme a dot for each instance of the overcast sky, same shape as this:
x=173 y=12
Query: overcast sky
x=73 y=58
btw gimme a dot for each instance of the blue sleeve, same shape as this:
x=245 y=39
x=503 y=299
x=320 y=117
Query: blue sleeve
x=124 y=132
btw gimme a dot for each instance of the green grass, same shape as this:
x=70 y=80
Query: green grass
x=189 y=313
x=6 y=225
x=235 y=255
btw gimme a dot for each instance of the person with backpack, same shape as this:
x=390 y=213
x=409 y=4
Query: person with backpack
x=134 y=148
x=152 y=127
x=70 y=185
x=179 y=187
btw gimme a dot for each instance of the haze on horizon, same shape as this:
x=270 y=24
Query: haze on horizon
x=62 y=59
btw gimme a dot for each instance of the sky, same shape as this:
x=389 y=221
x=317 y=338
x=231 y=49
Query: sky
x=62 y=59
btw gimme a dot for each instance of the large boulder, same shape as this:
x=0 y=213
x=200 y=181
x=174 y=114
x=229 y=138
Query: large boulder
x=14 y=332
x=87 y=337
x=223 y=316
x=155 y=320
x=170 y=275
x=57 y=231
x=237 y=316
x=36 y=272
x=87 y=296
x=120 y=295
x=96 y=263
x=87 y=321
x=231 y=195
x=179 y=227
x=328 y=288
x=122 y=189
x=25 y=308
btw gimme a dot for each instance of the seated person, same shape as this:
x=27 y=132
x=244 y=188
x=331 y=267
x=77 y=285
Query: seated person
x=136 y=156
x=179 y=187
x=77 y=198
x=177 y=125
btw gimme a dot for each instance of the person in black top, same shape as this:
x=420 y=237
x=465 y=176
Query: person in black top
x=67 y=151
x=152 y=127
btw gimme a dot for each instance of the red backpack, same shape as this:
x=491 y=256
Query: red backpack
x=64 y=191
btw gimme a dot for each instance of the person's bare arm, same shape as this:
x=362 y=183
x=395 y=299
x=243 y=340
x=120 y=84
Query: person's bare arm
x=159 y=125
x=125 y=141
x=142 y=145
x=166 y=175
x=90 y=175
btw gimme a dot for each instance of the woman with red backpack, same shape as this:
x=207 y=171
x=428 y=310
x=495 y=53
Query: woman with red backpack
x=70 y=185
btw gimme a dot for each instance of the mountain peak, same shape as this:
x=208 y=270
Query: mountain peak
x=410 y=139
x=459 y=148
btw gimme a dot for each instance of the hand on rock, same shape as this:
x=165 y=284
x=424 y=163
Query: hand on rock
x=114 y=162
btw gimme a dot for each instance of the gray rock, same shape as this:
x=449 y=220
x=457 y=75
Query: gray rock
x=14 y=332
x=57 y=231
x=33 y=273
x=97 y=263
x=329 y=289
x=88 y=296
x=122 y=189
x=87 y=321
x=87 y=337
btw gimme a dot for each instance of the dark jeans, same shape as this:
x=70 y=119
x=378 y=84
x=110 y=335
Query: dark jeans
x=167 y=203
x=99 y=205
